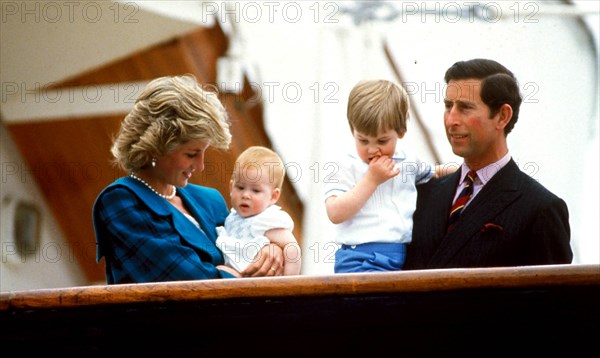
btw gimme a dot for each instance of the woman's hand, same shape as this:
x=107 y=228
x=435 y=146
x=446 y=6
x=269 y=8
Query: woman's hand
x=229 y=269
x=268 y=262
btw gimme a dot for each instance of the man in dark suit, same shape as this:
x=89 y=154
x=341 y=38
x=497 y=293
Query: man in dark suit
x=509 y=219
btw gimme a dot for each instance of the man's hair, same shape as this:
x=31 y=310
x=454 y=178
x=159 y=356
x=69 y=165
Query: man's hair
x=498 y=85
x=377 y=105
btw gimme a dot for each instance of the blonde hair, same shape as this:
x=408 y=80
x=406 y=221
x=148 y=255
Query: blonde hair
x=261 y=158
x=377 y=105
x=169 y=112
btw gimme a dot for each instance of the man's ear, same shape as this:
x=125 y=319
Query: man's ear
x=275 y=195
x=504 y=115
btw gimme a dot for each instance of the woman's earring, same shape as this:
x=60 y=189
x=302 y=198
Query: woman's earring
x=153 y=162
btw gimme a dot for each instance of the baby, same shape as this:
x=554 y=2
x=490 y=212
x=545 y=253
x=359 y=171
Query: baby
x=255 y=187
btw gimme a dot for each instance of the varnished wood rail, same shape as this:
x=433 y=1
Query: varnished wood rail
x=305 y=286
x=534 y=309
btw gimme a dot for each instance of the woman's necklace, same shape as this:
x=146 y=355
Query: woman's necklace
x=168 y=197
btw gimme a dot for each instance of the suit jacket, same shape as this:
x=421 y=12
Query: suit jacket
x=143 y=238
x=512 y=221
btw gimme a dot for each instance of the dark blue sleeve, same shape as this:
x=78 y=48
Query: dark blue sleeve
x=141 y=246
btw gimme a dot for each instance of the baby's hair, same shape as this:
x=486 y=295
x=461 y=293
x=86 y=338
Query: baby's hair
x=377 y=105
x=263 y=159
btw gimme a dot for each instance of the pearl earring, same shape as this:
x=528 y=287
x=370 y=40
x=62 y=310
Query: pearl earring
x=153 y=162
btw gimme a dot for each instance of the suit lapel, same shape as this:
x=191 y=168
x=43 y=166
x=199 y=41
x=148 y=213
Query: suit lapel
x=441 y=197
x=493 y=198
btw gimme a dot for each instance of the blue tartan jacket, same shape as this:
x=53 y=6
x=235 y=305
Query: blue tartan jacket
x=143 y=238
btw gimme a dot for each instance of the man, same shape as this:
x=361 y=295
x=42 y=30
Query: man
x=509 y=219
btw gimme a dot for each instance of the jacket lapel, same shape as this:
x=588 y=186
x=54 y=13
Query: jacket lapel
x=493 y=198
x=198 y=212
x=442 y=197
x=198 y=238
x=184 y=227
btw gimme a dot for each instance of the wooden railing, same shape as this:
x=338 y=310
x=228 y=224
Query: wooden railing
x=534 y=309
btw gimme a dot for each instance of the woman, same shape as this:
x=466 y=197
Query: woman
x=152 y=225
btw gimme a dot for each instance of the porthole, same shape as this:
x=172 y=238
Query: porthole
x=27 y=222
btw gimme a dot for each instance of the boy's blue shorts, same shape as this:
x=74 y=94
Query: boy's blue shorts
x=374 y=256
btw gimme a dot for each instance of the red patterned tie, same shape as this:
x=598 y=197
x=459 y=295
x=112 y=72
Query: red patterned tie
x=462 y=199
